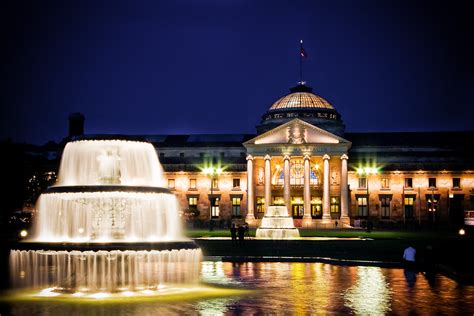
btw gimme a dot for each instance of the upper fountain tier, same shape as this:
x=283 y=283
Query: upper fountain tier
x=110 y=162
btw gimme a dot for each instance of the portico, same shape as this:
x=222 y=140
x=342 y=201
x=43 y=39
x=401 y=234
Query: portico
x=302 y=167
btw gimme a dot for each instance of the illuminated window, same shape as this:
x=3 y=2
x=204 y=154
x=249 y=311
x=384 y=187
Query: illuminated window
x=297 y=207
x=236 y=206
x=432 y=182
x=192 y=184
x=236 y=183
x=362 y=206
x=215 y=184
x=215 y=207
x=385 y=205
x=192 y=202
x=317 y=207
x=171 y=183
x=385 y=183
x=335 y=204
x=278 y=200
x=456 y=183
x=297 y=175
x=409 y=202
x=362 y=183
x=260 y=206
x=408 y=182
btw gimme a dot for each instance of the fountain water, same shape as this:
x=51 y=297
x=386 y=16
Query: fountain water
x=277 y=224
x=107 y=225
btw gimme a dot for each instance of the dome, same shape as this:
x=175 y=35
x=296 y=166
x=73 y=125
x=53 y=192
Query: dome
x=303 y=104
x=301 y=100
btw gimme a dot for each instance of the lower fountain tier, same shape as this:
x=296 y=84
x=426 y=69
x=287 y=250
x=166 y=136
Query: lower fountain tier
x=103 y=271
x=69 y=246
x=277 y=233
x=106 y=188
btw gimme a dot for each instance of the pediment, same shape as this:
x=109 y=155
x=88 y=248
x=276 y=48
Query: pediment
x=296 y=132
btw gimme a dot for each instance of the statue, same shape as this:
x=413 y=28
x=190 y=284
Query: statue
x=109 y=166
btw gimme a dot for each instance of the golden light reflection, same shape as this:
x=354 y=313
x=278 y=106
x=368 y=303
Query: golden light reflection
x=370 y=295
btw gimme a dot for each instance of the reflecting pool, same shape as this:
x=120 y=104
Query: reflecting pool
x=289 y=288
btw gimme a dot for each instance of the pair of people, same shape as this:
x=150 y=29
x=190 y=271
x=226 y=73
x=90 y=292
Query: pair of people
x=239 y=230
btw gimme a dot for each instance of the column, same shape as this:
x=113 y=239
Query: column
x=286 y=182
x=268 y=185
x=326 y=204
x=307 y=188
x=250 y=218
x=344 y=190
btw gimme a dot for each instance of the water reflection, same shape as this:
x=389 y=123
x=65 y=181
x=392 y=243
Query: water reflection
x=370 y=295
x=295 y=288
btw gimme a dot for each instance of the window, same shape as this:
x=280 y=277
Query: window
x=181 y=155
x=278 y=200
x=296 y=175
x=201 y=155
x=192 y=184
x=260 y=206
x=385 y=206
x=317 y=207
x=385 y=182
x=222 y=154
x=409 y=202
x=362 y=183
x=215 y=184
x=236 y=183
x=171 y=183
x=215 y=207
x=192 y=202
x=432 y=182
x=408 y=182
x=297 y=206
x=456 y=183
x=335 y=204
x=362 y=206
x=236 y=206
x=162 y=155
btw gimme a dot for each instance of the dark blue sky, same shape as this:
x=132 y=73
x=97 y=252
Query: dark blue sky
x=215 y=66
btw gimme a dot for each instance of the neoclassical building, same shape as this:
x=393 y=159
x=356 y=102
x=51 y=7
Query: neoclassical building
x=302 y=157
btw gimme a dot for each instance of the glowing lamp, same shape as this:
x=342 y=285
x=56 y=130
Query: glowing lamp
x=24 y=233
x=462 y=232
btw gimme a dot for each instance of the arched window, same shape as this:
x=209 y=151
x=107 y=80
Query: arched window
x=297 y=174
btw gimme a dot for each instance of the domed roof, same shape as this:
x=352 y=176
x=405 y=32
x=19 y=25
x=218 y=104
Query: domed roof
x=301 y=98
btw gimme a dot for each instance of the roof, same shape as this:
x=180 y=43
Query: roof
x=301 y=97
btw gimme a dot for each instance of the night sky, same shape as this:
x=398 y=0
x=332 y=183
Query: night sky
x=215 y=66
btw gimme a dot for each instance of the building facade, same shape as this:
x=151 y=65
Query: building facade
x=301 y=157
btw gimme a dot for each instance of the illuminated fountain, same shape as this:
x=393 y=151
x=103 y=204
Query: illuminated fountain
x=106 y=226
x=277 y=224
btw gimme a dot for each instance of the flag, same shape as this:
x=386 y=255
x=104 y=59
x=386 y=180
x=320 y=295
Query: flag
x=303 y=53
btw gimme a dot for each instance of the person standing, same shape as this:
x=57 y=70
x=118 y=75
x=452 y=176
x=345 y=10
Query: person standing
x=241 y=231
x=233 y=232
x=409 y=256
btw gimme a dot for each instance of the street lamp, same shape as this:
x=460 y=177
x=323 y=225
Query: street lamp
x=213 y=173
x=366 y=172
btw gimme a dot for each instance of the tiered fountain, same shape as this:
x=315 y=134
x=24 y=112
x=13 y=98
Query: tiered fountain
x=106 y=226
x=277 y=224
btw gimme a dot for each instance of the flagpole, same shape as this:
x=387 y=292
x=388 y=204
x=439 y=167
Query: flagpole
x=301 y=62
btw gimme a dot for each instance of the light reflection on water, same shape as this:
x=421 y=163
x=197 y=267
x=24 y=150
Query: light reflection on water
x=297 y=288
